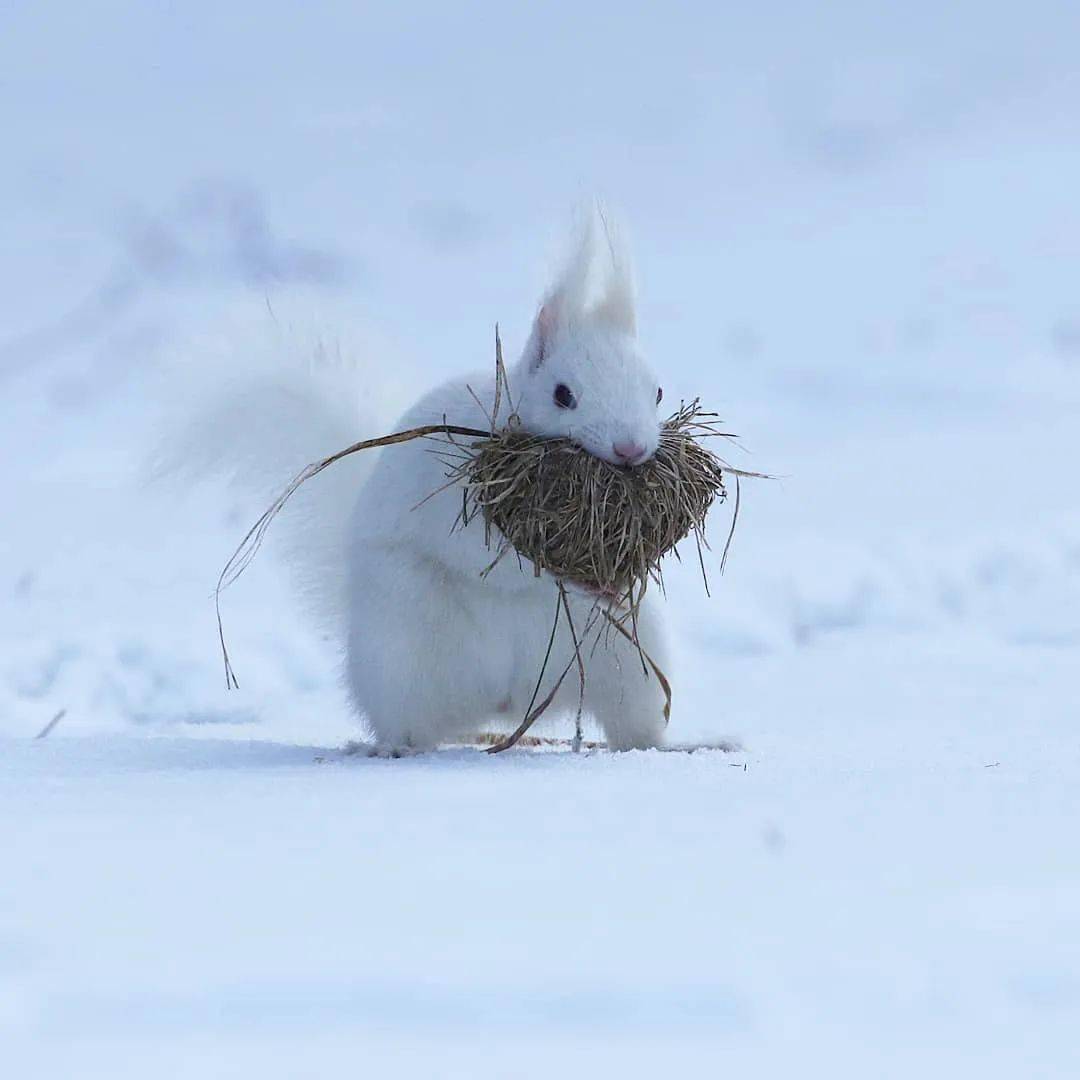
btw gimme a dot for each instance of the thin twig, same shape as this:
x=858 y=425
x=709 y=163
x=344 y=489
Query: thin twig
x=249 y=546
x=731 y=531
x=580 y=665
x=47 y=729
x=532 y=714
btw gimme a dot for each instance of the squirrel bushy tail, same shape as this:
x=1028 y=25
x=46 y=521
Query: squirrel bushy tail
x=254 y=403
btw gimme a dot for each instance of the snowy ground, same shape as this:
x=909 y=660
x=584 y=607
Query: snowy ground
x=857 y=238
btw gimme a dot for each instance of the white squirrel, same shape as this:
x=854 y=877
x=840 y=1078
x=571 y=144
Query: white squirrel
x=434 y=649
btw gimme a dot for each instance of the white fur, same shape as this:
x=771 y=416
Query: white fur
x=434 y=651
x=259 y=396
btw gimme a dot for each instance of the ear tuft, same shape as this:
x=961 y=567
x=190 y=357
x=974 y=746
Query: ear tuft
x=618 y=306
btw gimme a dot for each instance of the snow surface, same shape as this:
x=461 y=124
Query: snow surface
x=857 y=238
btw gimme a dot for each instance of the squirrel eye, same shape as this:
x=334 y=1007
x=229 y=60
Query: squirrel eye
x=659 y=394
x=564 y=397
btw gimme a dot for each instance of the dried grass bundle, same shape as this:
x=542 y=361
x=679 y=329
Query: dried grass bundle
x=585 y=520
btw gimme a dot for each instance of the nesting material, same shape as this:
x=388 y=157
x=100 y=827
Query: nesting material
x=584 y=520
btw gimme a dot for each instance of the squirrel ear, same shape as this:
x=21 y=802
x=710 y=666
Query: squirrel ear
x=545 y=326
x=564 y=303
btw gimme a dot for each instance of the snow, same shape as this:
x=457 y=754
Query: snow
x=856 y=237
x=255 y=905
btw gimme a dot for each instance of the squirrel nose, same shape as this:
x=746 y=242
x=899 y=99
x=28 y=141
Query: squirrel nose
x=628 y=453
